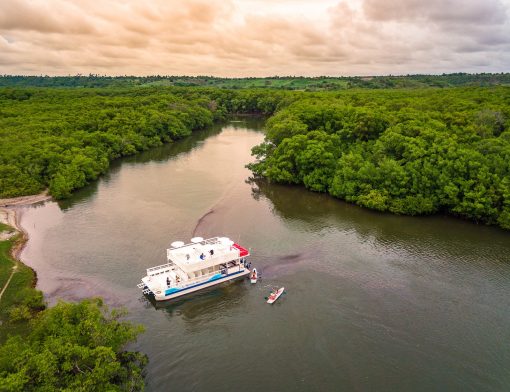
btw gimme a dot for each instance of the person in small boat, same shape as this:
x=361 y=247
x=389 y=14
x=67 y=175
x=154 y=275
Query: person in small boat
x=254 y=275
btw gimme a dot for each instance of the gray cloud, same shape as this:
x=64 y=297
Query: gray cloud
x=236 y=38
x=455 y=11
x=24 y=15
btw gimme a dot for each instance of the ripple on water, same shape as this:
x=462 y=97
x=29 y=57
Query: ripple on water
x=375 y=301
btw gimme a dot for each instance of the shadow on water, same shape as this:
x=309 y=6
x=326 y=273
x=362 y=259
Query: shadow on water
x=273 y=266
x=162 y=154
x=320 y=212
x=376 y=301
x=207 y=305
x=248 y=122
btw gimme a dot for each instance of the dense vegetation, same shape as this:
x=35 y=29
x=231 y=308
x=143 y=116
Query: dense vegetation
x=73 y=347
x=407 y=152
x=63 y=139
x=276 y=82
x=19 y=301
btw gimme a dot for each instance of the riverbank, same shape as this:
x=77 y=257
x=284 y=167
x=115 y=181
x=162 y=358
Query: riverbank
x=21 y=201
x=19 y=299
x=9 y=216
x=30 y=330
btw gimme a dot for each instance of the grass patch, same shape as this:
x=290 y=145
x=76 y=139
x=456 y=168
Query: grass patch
x=4 y=227
x=6 y=263
x=20 y=298
x=46 y=349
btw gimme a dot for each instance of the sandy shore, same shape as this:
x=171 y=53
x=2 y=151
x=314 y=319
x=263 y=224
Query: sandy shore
x=10 y=216
x=68 y=287
x=24 y=200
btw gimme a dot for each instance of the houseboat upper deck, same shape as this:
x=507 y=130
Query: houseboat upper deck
x=194 y=266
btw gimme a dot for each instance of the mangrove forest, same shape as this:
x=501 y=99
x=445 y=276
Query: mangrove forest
x=407 y=151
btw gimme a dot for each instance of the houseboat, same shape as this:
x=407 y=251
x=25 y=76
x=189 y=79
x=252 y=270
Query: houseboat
x=195 y=266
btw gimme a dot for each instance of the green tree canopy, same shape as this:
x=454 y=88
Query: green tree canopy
x=73 y=347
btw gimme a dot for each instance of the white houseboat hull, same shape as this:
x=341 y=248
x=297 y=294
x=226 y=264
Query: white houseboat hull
x=175 y=293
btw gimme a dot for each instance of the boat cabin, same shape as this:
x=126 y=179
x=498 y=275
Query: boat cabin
x=196 y=262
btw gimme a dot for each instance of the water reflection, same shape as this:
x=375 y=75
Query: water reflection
x=426 y=236
x=163 y=154
x=206 y=305
x=157 y=155
x=376 y=301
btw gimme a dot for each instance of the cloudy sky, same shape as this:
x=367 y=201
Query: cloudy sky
x=254 y=37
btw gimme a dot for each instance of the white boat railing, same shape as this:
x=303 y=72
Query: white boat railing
x=207 y=263
x=196 y=263
x=150 y=271
x=149 y=288
x=201 y=278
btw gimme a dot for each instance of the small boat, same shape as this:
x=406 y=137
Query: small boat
x=254 y=276
x=275 y=295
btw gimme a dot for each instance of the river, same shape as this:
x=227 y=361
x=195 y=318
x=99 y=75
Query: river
x=375 y=302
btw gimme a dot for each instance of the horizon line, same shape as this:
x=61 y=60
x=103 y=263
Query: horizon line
x=250 y=77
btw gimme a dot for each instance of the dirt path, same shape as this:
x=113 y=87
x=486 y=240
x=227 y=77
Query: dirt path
x=14 y=268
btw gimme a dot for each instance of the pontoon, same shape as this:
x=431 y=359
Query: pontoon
x=196 y=266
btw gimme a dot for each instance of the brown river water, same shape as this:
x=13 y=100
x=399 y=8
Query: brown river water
x=374 y=302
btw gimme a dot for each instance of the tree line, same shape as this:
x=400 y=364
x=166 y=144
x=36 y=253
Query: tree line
x=74 y=347
x=63 y=139
x=70 y=346
x=407 y=152
x=319 y=83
